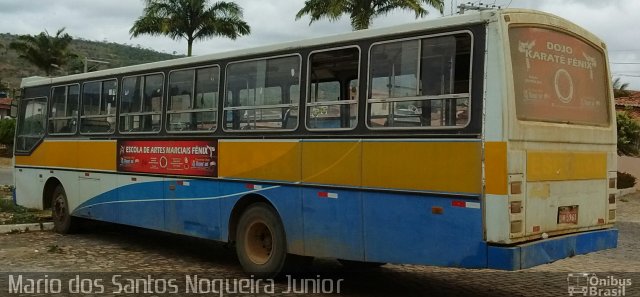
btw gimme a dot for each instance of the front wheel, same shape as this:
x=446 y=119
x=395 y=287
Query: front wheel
x=62 y=221
x=260 y=241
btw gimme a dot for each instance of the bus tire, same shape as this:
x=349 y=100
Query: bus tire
x=261 y=245
x=350 y=264
x=63 y=223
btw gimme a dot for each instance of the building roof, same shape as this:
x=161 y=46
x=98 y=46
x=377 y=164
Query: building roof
x=633 y=100
x=630 y=104
x=5 y=103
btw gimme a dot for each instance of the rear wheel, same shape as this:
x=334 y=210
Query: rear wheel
x=62 y=220
x=261 y=244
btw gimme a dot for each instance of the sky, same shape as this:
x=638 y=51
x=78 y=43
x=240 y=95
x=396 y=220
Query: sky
x=273 y=21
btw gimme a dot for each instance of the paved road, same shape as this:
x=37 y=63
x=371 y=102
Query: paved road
x=6 y=176
x=117 y=249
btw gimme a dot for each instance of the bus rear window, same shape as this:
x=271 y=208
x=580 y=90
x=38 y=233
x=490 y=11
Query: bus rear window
x=558 y=78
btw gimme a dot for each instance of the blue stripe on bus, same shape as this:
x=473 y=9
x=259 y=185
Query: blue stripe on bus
x=339 y=223
x=348 y=224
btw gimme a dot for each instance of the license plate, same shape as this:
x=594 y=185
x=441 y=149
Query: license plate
x=568 y=214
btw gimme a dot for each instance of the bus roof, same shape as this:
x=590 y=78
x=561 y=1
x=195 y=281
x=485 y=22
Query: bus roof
x=443 y=22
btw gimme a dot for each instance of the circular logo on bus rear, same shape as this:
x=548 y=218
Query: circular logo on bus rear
x=563 y=85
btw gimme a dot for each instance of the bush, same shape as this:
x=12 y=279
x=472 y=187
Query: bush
x=628 y=135
x=7 y=132
x=626 y=180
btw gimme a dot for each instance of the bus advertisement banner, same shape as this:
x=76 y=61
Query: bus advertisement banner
x=181 y=157
x=558 y=77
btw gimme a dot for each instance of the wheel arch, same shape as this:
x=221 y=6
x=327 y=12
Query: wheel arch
x=47 y=191
x=240 y=206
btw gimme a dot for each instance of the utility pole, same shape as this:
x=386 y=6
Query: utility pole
x=87 y=60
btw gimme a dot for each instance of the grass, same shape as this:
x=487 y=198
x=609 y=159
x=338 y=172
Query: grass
x=14 y=214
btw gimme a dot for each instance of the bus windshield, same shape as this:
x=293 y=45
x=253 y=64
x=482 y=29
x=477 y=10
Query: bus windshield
x=558 y=78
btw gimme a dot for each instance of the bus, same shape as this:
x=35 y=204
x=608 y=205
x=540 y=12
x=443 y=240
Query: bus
x=480 y=140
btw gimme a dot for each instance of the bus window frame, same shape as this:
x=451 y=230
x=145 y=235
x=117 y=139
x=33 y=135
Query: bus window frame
x=115 y=115
x=468 y=95
x=224 y=98
x=329 y=103
x=215 y=109
x=120 y=114
x=20 y=117
x=66 y=103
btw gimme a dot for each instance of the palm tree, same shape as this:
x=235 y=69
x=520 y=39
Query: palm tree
x=191 y=20
x=363 y=11
x=44 y=51
x=620 y=89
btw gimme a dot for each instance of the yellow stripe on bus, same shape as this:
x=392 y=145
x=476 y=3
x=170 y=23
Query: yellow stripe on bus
x=91 y=155
x=266 y=160
x=495 y=158
x=334 y=163
x=556 y=166
x=428 y=166
x=405 y=165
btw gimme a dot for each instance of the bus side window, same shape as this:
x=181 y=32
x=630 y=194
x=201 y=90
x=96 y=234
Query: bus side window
x=332 y=100
x=63 y=118
x=98 y=101
x=262 y=94
x=141 y=103
x=420 y=83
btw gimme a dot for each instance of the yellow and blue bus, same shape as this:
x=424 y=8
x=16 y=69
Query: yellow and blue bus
x=481 y=140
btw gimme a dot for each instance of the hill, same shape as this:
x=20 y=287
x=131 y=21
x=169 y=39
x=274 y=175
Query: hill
x=13 y=69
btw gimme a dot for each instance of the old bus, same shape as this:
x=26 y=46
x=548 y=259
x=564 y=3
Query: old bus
x=481 y=140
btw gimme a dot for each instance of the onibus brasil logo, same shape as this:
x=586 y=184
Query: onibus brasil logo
x=589 y=284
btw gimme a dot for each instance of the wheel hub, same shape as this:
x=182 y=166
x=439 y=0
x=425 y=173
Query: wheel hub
x=259 y=243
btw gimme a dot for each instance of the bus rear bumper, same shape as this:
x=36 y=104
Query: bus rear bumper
x=549 y=250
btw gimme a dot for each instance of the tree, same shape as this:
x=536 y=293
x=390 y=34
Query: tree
x=7 y=131
x=628 y=134
x=620 y=89
x=362 y=12
x=44 y=51
x=191 y=19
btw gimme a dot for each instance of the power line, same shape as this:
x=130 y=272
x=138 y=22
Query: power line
x=625 y=63
x=626 y=50
x=628 y=75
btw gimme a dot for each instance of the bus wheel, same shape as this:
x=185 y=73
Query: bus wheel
x=62 y=220
x=350 y=264
x=260 y=241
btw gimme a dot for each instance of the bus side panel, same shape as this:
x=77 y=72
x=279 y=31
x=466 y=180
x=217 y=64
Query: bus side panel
x=137 y=201
x=333 y=223
x=420 y=229
x=29 y=187
x=192 y=208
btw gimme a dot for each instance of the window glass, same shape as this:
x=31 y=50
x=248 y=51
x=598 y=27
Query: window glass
x=260 y=94
x=193 y=107
x=332 y=101
x=131 y=98
x=64 y=109
x=99 y=106
x=421 y=83
x=31 y=124
x=141 y=103
x=394 y=70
